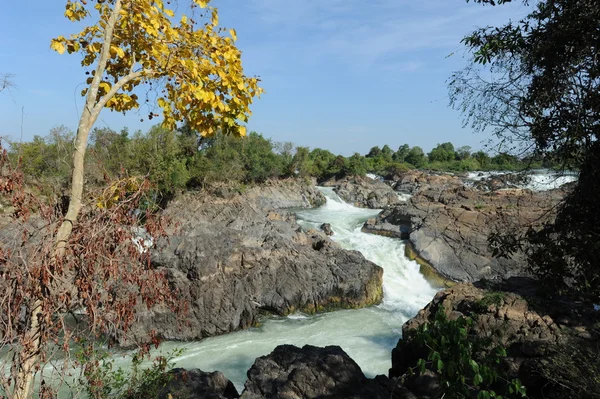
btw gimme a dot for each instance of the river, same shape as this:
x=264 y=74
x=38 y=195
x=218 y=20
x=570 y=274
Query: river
x=367 y=335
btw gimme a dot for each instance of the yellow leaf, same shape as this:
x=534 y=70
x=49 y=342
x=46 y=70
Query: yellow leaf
x=242 y=131
x=170 y=13
x=233 y=34
x=57 y=46
x=183 y=20
x=105 y=86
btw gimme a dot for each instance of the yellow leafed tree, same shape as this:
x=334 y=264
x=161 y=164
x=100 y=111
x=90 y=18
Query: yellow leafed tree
x=189 y=60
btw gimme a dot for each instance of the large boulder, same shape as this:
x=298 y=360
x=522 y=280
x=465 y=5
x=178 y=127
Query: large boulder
x=235 y=259
x=364 y=192
x=311 y=372
x=552 y=345
x=197 y=384
x=448 y=226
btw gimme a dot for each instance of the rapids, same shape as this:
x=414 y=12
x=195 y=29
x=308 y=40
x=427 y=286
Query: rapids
x=367 y=335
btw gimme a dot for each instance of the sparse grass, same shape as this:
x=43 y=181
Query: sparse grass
x=492 y=298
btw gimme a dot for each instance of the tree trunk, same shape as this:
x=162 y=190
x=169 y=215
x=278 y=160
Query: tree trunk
x=32 y=345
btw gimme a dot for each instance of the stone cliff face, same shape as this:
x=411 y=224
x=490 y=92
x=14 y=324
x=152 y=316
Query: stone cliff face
x=552 y=345
x=448 y=224
x=233 y=259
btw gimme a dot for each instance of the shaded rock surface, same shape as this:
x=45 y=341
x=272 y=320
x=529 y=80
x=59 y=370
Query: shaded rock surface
x=311 y=372
x=448 y=224
x=552 y=345
x=197 y=384
x=364 y=192
x=326 y=228
x=234 y=259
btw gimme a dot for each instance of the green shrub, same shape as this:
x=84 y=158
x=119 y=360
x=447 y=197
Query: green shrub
x=102 y=380
x=467 y=366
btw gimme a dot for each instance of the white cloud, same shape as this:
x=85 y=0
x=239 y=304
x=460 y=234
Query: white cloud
x=363 y=35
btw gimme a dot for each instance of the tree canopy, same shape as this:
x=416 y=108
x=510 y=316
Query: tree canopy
x=194 y=63
x=536 y=81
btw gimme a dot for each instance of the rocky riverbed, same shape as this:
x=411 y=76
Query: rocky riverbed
x=236 y=257
x=448 y=223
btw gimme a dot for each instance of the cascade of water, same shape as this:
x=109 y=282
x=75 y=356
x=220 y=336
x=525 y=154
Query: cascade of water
x=367 y=335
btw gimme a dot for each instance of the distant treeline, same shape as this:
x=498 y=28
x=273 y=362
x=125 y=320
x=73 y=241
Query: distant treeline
x=180 y=159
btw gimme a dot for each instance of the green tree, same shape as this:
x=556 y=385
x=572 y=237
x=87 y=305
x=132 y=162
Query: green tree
x=260 y=162
x=128 y=44
x=355 y=165
x=533 y=81
x=442 y=153
x=463 y=153
x=416 y=157
x=160 y=155
x=321 y=161
x=301 y=161
x=402 y=153
x=387 y=153
x=374 y=152
x=483 y=158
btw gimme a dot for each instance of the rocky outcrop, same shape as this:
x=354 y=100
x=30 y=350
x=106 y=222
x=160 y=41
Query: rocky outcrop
x=197 y=384
x=448 y=226
x=326 y=228
x=500 y=181
x=312 y=372
x=415 y=181
x=364 y=192
x=235 y=259
x=552 y=345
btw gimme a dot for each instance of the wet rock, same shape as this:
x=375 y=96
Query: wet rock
x=364 y=192
x=197 y=384
x=312 y=372
x=326 y=227
x=234 y=260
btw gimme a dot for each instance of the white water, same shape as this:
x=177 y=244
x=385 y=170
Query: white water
x=367 y=335
x=536 y=180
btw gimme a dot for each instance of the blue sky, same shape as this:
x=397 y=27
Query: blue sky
x=344 y=75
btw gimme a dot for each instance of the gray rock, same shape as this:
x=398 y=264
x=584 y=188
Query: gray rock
x=312 y=372
x=546 y=356
x=448 y=225
x=233 y=260
x=326 y=227
x=364 y=192
x=197 y=384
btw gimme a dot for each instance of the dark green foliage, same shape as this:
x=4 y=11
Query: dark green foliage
x=543 y=89
x=467 y=366
x=442 y=153
x=356 y=165
x=565 y=254
x=182 y=159
x=416 y=157
x=48 y=157
x=321 y=160
x=402 y=153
